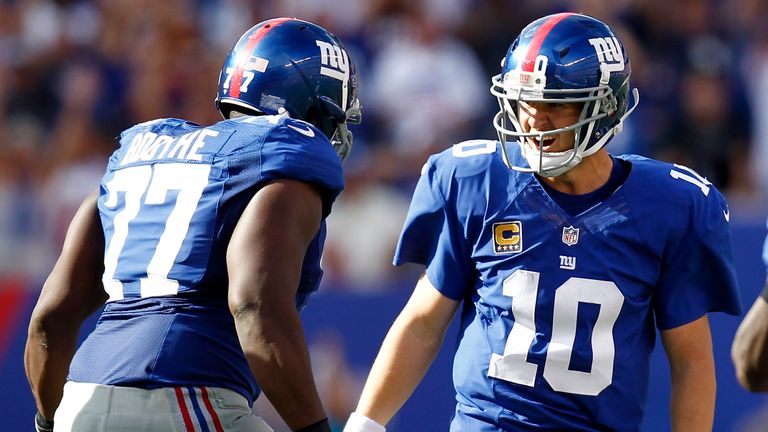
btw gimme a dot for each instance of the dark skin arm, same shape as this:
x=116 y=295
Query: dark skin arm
x=72 y=292
x=264 y=261
x=750 y=348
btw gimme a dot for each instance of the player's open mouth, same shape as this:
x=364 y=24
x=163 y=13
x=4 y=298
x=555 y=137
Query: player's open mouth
x=545 y=144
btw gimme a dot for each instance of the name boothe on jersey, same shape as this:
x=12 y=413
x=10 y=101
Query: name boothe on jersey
x=557 y=326
x=170 y=199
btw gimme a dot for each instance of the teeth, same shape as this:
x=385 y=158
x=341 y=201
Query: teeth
x=545 y=140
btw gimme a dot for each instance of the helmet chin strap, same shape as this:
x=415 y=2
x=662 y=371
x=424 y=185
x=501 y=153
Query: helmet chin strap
x=549 y=164
x=342 y=141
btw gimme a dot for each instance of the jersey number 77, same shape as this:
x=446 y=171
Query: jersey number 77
x=146 y=190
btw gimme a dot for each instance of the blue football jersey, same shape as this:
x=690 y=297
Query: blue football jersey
x=559 y=313
x=170 y=199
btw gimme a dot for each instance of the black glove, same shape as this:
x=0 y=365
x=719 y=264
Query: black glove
x=42 y=424
x=321 y=426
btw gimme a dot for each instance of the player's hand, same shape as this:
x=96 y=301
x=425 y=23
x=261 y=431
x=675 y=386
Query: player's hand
x=42 y=424
x=360 y=423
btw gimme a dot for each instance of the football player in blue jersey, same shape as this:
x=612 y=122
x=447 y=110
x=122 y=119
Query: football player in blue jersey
x=564 y=258
x=750 y=344
x=205 y=243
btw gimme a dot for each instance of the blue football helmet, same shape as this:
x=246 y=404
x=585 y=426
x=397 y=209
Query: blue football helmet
x=294 y=67
x=564 y=58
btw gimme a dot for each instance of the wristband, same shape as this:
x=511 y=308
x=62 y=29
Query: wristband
x=360 y=423
x=321 y=426
x=42 y=424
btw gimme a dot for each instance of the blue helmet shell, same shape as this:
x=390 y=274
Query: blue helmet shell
x=568 y=42
x=292 y=65
x=566 y=57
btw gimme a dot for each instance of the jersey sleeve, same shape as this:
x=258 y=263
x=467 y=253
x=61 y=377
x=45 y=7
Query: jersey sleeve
x=697 y=274
x=298 y=151
x=433 y=236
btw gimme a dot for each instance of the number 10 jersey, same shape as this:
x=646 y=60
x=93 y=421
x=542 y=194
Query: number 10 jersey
x=560 y=311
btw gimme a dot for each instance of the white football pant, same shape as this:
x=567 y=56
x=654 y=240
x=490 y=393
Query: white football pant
x=88 y=407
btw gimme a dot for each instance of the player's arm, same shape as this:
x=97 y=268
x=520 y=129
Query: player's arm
x=692 y=368
x=71 y=293
x=264 y=260
x=750 y=347
x=405 y=355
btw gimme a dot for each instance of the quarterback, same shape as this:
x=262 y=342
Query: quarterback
x=563 y=259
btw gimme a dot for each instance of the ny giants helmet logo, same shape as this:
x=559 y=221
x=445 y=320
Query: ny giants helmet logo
x=609 y=53
x=335 y=61
x=335 y=64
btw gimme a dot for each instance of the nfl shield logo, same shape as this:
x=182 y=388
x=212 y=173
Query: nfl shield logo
x=570 y=235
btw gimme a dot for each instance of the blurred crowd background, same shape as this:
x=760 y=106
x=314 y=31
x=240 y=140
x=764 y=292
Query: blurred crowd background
x=74 y=73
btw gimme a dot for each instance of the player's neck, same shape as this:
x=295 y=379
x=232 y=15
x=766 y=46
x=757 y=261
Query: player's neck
x=591 y=173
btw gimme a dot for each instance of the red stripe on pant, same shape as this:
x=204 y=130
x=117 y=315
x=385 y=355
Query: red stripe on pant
x=184 y=411
x=211 y=411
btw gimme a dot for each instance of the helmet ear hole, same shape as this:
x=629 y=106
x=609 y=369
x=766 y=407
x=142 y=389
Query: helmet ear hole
x=326 y=116
x=224 y=109
x=317 y=117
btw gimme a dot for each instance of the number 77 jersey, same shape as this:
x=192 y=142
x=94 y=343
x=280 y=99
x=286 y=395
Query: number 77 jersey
x=560 y=310
x=169 y=202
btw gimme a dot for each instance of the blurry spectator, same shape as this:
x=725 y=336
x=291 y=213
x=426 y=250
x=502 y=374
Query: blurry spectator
x=757 y=80
x=709 y=137
x=362 y=233
x=344 y=16
x=750 y=24
x=488 y=28
x=19 y=243
x=77 y=153
x=223 y=21
x=427 y=87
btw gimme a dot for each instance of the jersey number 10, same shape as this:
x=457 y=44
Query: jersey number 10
x=513 y=366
